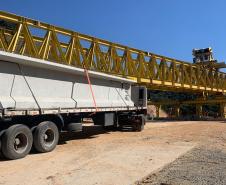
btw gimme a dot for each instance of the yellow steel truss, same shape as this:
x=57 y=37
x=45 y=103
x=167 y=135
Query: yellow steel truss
x=40 y=40
x=222 y=100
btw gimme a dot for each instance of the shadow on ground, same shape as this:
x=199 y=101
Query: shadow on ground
x=89 y=132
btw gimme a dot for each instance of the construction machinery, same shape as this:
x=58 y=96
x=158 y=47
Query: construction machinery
x=40 y=40
x=51 y=78
x=204 y=58
x=42 y=96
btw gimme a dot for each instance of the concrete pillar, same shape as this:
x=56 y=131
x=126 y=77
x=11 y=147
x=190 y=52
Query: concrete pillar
x=222 y=110
x=158 y=107
x=177 y=111
x=199 y=110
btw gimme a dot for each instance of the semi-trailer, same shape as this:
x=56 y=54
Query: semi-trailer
x=39 y=99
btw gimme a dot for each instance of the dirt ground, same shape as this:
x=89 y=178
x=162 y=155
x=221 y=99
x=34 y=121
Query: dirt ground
x=162 y=154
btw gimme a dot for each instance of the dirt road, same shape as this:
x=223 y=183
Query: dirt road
x=100 y=157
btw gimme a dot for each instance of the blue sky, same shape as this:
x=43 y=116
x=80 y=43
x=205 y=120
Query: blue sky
x=167 y=27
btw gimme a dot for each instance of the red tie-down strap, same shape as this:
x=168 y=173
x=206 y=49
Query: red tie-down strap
x=90 y=87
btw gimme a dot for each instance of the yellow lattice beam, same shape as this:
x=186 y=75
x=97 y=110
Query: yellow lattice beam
x=40 y=40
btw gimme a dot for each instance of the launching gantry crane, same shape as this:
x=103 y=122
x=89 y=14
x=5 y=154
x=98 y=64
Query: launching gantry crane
x=204 y=57
x=51 y=78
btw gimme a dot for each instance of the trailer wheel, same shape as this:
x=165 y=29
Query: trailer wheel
x=46 y=137
x=17 y=142
x=0 y=147
x=138 y=123
x=1 y=134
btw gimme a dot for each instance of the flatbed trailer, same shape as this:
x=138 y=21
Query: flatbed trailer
x=39 y=99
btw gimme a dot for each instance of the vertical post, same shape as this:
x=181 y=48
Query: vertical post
x=173 y=72
x=182 y=75
x=222 y=110
x=163 y=62
x=158 y=107
x=191 y=71
x=177 y=111
x=199 y=110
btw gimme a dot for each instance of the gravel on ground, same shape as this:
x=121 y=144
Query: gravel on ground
x=201 y=166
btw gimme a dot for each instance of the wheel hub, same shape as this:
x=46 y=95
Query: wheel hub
x=49 y=137
x=20 y=143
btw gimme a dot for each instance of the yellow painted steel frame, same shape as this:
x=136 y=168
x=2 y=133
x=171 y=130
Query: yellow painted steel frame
x=190 y=102
x=40 y=40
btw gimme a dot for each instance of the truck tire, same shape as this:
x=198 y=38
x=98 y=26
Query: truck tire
x=0 y=146
x=138 y=123
x=46 y=136
x=17 y=142
x=1 y=134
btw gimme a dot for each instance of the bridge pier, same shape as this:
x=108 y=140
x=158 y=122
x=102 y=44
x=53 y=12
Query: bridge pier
x=158 y=107
x=222 y=110
x=199 y=110
x=177 y=111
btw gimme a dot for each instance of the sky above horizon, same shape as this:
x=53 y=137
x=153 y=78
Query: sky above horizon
x=171 y=28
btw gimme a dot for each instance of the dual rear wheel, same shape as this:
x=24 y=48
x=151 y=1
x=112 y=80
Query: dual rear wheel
x=18 y=140
x=46 y=137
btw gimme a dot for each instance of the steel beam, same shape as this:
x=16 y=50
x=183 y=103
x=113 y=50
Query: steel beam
x=67 y=47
